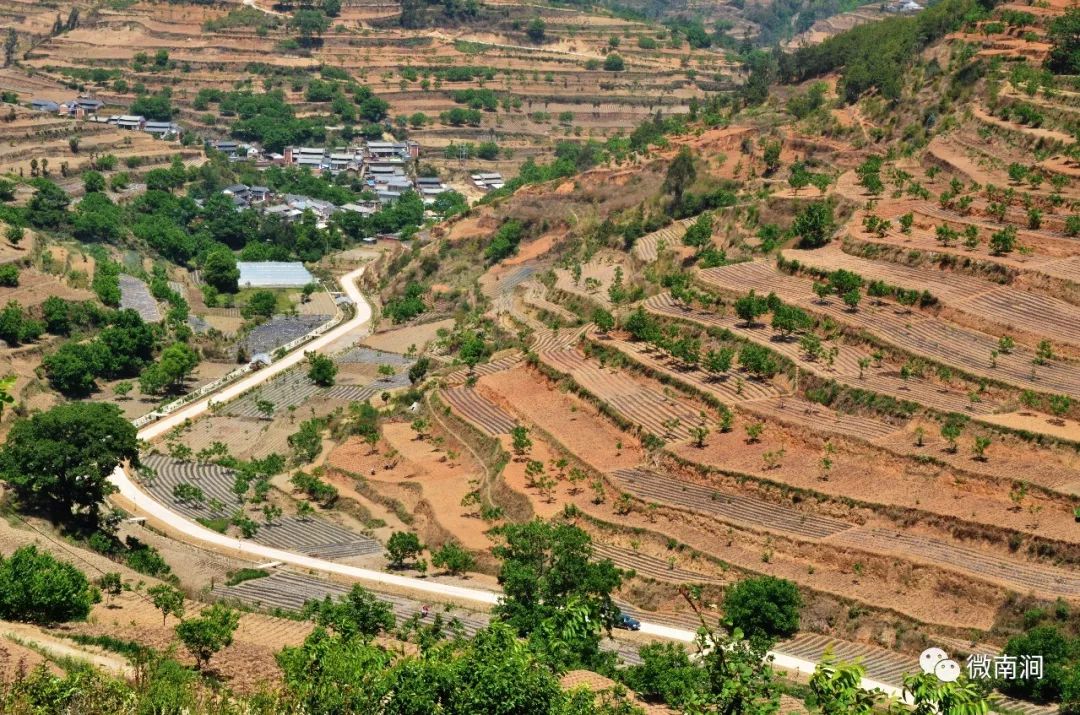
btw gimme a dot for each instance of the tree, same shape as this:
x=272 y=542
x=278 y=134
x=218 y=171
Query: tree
x=1064 y=35
x=171 y=369
x=851 y=299
x=837 y=689
x=307 y=291
x=764 y=606
x=14 y=234
x=358 y=614
x=614 y=63
x=168 y=600
x=9 y=275
x=951 y=429
x=60 y=460
x=604 y=320
x=1003 y=241
x=453 y=558
x=666 y=674
x=419 y=369
x=402 y=546
x=750 y=306
x=788 y=319
x=1059 y=654
x=699 y=234
x=322 y=370
x=758 y=360
x=265 y=408
x=37 y=588
x=97 y=220
x=47 y=208
x=73 y=369
x=718 y=361
x=545 y=566
x=209 y=633
x=536 y=30
x=520 y=441
x=11 y=43
x=771 y=156
x=219 y=270
x=111 y=585
x=815 y=224
x=681 y=173
x=309 y=24
x=93 y=181
x=261 y=304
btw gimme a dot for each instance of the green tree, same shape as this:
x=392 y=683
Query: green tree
x=170 y=371
x=788 y=319
x=36 y=588
x=322 y=370
x=452 y=557
x=47 y=208
x=699 y=234
x=951 y=429
x=604 y=320
x=544 y=566
x=219 y=270
x=614 y=63
x=168 y=600
x=765 y=607
x=520 y=441
x=536 y=30
x=401 y=547
x=1064 y=35
x=261 y=304
x=207 y=634
x=837 y=689
x=666 y=674
x=681 y=174
x=750 y=306
x=72 y=370
x=815 y=224
x=357 y=614
x=309 y=24
x=111 y=585
x=758 y=360
x=60 y=460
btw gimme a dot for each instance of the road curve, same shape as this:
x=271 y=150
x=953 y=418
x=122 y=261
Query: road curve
x=149 y=507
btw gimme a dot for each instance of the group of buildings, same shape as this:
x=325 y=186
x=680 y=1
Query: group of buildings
x=87 y=108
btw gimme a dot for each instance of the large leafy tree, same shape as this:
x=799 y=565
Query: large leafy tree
x=35 y=587
x=815 y=224
x=220 y=271
x=359 y=614
x=765 y=606
x=544 y=566
x=60 y=460
x=1064 y=35
x=47 y=208
x=680 y=175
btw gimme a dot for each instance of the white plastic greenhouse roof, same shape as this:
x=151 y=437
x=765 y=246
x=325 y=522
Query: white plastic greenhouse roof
x=273 y=274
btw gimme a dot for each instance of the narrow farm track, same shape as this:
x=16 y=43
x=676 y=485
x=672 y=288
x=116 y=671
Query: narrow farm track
x=743 y=511
x=666 y=417
x=477 y=409
x=1001 y=305
x=913 y=332
x=844 y=368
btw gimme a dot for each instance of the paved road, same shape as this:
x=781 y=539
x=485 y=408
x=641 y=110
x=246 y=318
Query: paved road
x=149 y=507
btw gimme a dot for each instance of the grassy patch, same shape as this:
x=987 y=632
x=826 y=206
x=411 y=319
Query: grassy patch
x=245 y=575
x=220 y=524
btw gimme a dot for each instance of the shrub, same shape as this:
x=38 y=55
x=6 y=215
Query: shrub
x=765 y=606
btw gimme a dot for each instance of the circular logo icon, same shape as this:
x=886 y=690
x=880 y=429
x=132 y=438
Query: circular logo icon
x=930 y=658
x=947 y=671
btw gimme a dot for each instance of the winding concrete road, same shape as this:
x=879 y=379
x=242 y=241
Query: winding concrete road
x=149 y=507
